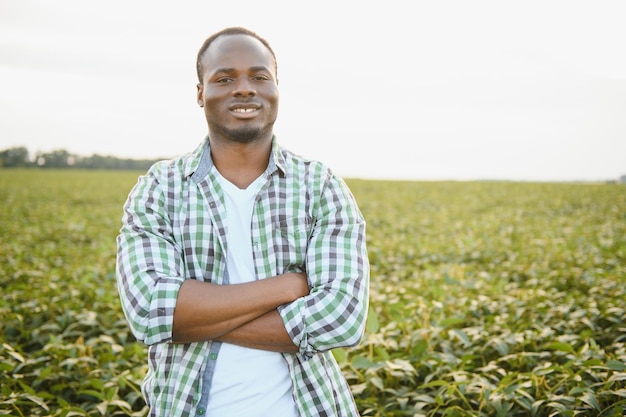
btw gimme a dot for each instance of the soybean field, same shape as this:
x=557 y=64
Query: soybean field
x=487 y=299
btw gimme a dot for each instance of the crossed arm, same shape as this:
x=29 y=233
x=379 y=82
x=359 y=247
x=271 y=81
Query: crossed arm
x=161 y=306
x=242 y=314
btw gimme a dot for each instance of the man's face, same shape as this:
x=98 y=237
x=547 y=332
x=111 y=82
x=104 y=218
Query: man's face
x=239 y=89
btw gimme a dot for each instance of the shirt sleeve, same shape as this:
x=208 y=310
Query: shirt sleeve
x=334 y=313
x=148 y=268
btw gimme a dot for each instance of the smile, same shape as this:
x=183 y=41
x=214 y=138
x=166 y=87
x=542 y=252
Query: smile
x=244 y=110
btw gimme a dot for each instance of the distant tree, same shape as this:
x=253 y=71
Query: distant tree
x=60 y=158
x=55 y=159
x=14 y=157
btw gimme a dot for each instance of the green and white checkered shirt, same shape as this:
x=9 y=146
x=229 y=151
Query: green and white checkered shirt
x=305 y=218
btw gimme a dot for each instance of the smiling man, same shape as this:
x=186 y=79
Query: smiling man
x=240 y=264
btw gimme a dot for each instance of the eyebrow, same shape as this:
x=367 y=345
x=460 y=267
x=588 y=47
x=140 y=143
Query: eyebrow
x=227 y=70
x=260 y=68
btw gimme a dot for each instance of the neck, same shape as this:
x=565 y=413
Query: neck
x=241 y=163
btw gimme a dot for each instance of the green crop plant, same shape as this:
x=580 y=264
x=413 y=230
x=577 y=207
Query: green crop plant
x=487 y=299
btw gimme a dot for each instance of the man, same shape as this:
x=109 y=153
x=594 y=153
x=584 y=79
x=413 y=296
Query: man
x=241 y=264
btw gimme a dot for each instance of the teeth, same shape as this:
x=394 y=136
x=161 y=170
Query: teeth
x=247 y=110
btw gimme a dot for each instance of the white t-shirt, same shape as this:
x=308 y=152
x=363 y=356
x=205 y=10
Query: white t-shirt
x=247 y=382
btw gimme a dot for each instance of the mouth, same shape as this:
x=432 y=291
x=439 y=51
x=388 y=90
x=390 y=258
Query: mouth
x=245 y=108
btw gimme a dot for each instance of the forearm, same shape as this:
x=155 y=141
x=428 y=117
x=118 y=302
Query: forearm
x=207 y=311
x=266 y=332
x=325 y=320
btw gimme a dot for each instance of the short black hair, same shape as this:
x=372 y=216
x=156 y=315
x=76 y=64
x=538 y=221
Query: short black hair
x=235 y=30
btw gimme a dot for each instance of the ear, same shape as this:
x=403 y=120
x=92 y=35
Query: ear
x=200 y=95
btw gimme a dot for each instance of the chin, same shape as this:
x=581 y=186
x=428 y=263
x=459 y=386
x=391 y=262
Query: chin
x=245 y=135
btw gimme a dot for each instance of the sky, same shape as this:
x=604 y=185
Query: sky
x=420 y=90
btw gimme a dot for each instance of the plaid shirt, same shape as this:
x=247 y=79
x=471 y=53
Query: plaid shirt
x=305 y=218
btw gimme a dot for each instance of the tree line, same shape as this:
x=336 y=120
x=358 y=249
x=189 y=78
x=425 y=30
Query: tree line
x=19 y=157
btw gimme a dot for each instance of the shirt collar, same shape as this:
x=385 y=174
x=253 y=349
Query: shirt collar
x=199 y=163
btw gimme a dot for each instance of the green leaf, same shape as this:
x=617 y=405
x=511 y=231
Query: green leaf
x=37 y=400
x=381 y=353
x=361 y=362
x=340 y=355
x=102 y=407
x=97 y=394
x=590 y=399
x=435 y=383
x=462 y=336
x=419 y=348
x=560 y=346
x=451 y=321
x=616 y=365
x=377 y=382
x=371 y=325
x=16 y=355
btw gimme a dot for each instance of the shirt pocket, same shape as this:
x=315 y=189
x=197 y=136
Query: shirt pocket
x=291 y=238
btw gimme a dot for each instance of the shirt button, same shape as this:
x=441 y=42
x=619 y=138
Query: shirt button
x=201 y=411
x=213 y=356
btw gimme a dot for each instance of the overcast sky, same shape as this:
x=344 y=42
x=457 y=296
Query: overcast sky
x=527 y=90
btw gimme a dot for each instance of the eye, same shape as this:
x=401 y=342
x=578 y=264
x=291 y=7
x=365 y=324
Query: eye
x=223 y=80
x=261 y=77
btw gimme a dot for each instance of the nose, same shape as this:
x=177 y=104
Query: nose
x=244 y=88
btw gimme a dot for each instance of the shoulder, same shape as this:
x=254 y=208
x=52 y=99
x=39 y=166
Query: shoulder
x=303 y=168
x=316 y=176
x=178 y=168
